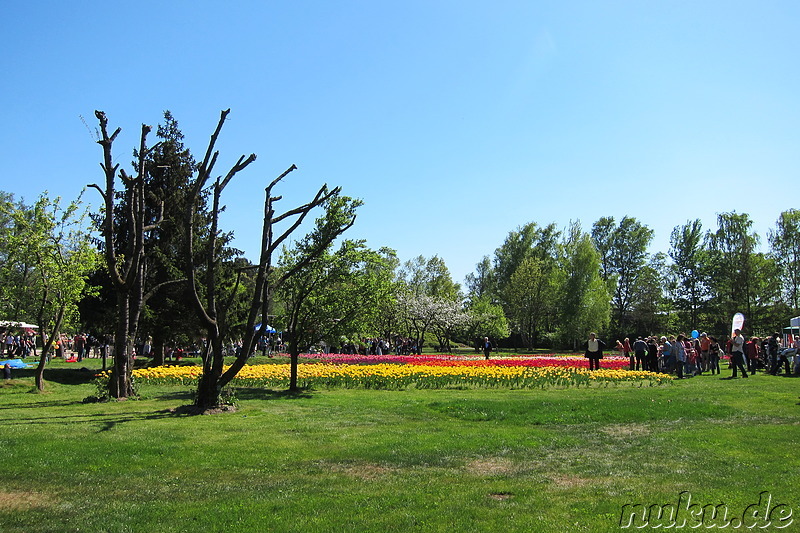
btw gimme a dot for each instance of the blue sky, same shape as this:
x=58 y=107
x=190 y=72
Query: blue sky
x=454 y=121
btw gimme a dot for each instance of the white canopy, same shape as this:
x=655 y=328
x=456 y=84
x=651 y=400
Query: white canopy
x=12 y=324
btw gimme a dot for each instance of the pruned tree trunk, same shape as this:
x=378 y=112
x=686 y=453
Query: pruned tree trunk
x=126 y=267
x=213 y=309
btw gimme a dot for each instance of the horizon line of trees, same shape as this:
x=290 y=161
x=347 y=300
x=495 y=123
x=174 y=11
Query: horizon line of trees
x=699 y=283
x=163 y=254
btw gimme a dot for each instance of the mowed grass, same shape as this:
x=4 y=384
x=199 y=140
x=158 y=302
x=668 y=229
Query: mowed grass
x=413 y=460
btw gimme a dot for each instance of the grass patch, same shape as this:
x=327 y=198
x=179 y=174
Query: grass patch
x=378 y=460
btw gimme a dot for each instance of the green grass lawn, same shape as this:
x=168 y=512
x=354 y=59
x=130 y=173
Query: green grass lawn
x=367 y=460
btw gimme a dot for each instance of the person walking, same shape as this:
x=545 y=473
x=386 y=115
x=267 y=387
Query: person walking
x=487 y=347
x=594 y=351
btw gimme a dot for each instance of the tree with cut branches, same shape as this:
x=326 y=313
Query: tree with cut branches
x=212 y=305
x=125 y=257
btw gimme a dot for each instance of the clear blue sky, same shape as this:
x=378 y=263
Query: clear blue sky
x=455 y=121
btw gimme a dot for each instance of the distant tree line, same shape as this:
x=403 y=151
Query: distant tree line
x=554 y=287
x=169 y=273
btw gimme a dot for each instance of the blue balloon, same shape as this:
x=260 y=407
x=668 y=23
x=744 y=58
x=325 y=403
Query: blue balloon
x=695 y=333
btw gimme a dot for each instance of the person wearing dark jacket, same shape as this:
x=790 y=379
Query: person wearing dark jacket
x=594 y=351
x=640 y=351
x=487 y=347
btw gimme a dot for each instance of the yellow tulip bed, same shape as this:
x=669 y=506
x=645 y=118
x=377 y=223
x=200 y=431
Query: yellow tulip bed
x=397 y=376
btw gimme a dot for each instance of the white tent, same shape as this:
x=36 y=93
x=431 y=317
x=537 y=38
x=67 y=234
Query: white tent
x=21 y=325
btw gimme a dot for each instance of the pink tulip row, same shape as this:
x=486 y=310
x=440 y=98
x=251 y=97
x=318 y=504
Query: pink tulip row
x=574 y=361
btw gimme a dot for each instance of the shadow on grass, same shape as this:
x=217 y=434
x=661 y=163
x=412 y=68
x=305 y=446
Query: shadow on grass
x=254 y=393
x=105 y=421
x=183 y=395
x=64 y=376
x=51 y=403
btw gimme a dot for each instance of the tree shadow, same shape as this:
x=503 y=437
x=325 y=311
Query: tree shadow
x=51 y=403
x=254 y=393
x=172 y=395
x=64 y=376
x=106 y=422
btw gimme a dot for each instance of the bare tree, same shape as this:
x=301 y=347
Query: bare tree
x=125 y=258
x=212 y=307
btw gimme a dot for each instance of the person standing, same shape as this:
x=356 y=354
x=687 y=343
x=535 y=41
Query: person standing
x=594 y=351
x=79 y=343
x=9 y=342
x=705 y=346
x=628 y=352
x=737 y=353
x=640 y=351
x=752 y=349
x=680 y=354
x=713 y=355
x=778 y=355
x=487 y=347
x=652 y=355
x=666 y=355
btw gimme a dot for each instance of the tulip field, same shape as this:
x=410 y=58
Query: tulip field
x=424 y=372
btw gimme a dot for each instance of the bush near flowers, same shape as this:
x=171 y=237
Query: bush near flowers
x=423 y=376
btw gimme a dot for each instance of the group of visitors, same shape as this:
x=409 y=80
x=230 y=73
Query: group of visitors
x=17 y=344
x=691 y=356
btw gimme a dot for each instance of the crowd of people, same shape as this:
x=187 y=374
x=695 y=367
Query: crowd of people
x=682 y=355
x=379 y=346
x=17 y=344
x=24 y=344
x=687 y=356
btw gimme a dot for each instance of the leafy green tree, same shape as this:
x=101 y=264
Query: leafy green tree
x=9 y=273
x=430 y=277
x=784 y=243
x=487 y=319
x=732 y=249
x=770 y=310
x=689 y=270
x=526 y=241
x=649 y=304
x=583 y=294
x=531 y=299
x=50 y=245
x=388 y=318
x=481 y=284
x=623 y=253
x=529 y=241
x=327 y=294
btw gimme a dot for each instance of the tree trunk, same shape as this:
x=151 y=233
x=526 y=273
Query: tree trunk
x=294 y=357
x=209 y=388
x=40 y=370
x=120 y=385
x=158 y=353
x=208 y=392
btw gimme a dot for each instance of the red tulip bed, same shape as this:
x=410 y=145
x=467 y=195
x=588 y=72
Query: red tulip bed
x=614 y=362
